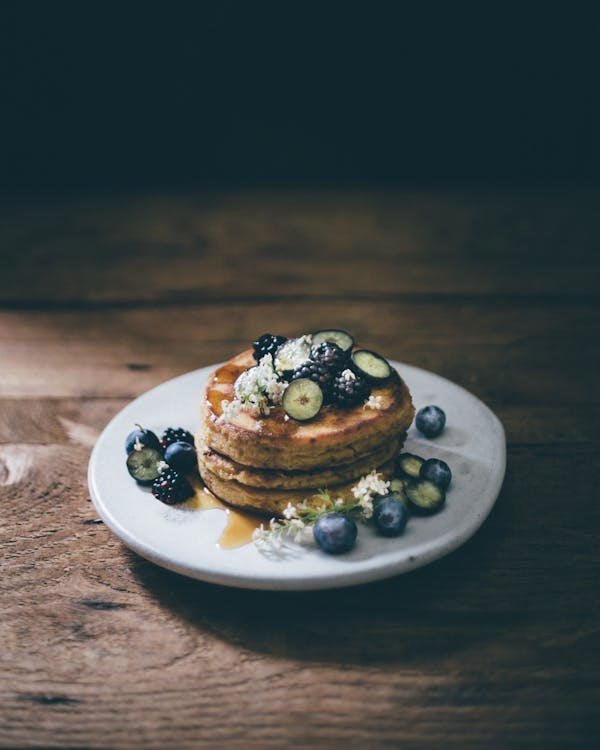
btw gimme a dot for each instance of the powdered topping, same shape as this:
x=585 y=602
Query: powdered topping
x=256 y=390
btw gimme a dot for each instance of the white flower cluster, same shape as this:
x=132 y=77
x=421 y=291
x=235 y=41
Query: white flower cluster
x=260 y=386
x=256 y=389
x=348 y=375
x=274 y=536
x=366 y=487
x=373 y=402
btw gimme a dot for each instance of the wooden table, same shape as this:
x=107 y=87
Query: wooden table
x=495 y=646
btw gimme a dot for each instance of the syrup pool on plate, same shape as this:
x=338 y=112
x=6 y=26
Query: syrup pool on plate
x=240 y=524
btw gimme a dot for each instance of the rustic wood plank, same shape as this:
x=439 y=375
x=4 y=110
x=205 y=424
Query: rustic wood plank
x=504 y=352
x=216 y=245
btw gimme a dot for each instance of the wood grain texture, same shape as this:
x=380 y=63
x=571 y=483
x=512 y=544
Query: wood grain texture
x=495 y=646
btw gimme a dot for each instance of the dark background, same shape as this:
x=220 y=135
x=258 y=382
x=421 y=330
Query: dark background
x=107 y=96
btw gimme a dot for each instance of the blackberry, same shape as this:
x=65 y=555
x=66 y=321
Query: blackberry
x=267 y=344
x=329 y=354
x=172 y=435
x=318 y=373
x=349 y=389
x=171 y=488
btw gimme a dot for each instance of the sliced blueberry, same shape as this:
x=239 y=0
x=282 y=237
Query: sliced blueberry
x=181 y=457
x=424 y=496
x=436 y=471
x=143 y=465
x=335 y=533
x=302 y=399
x=371 y=365
x=430 y=421
x=409 y=465
x=342 y=338
x=390 y=516
x=397 y=486
x=143 y=438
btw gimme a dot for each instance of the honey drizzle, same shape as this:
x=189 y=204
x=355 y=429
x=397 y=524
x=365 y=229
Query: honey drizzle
x=240 y=524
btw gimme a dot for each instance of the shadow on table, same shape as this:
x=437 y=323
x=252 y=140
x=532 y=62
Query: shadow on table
x=430 y=613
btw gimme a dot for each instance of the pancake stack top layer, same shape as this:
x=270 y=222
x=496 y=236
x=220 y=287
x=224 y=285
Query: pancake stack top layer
x=264 y=462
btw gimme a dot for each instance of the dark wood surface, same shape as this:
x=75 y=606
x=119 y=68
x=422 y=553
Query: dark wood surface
x=495 y=646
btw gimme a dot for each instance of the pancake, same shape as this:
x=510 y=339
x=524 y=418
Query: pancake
x=231 y=471
x=274 y=501
x=263 y=463
x=335 y=437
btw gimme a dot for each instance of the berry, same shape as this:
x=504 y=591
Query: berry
x=173 y=434
x=349 y=390
x=145 y=438
x=319 y=374
x=430 y=421
x=267 y=344
x=424 y=497
x=436 y=471
x=329 y=354
x=409 y=465
x=342 y=338
x=181 y=457
x=302 y=399
x=171 y=487
x=142 y=465
x=335 y=533
x=390 y=516
x=370 y=365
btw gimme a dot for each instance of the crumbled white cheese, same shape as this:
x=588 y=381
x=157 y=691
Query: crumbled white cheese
x=162 y=466
x=229 y=410
x=348 y=375
x=373 y=402
x=137 y=446
x=293 y=353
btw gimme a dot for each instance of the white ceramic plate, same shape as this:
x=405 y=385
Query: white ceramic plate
x=185 y=540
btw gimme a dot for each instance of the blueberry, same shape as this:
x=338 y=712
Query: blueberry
x=335 y=533
x=430 y=421
x=436 y=471
x=390 y=516
x=181 y=457
x=147 y=439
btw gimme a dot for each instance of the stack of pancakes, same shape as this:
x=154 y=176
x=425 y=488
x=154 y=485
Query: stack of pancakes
x=264 y=463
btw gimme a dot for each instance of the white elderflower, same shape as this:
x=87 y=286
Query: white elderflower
x=260 y=535
x=348 y=375
x=371 y=484
x=290 y=512
x=373 y=402
x=259 y=387
x=366 y=506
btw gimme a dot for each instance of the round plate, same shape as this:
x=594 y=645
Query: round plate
x=185 y=540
